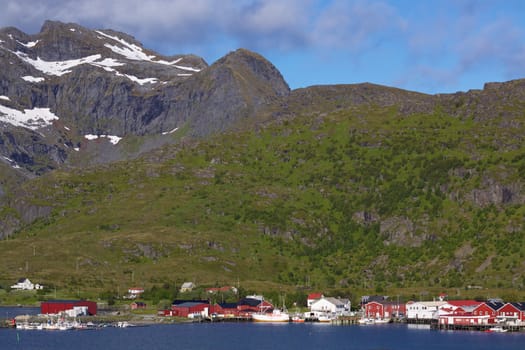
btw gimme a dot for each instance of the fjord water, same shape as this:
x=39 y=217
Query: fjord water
x=221 y=336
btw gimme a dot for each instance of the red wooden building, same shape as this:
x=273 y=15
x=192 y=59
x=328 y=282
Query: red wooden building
x=227 y=310
x=471 y=314
x=137 y=305
x=489 y=308
x=461 y=318
x=253 y=305
x=188 y=308
x=512 y=312
x=384 y=309
x=57 y=306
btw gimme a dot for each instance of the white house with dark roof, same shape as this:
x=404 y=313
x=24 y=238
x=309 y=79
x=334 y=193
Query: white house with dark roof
x=331 y=305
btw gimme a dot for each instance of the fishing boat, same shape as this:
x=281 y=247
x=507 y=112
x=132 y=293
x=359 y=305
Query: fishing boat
x=274 y=316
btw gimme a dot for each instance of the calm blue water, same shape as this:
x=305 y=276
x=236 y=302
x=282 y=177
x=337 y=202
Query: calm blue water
x=10 y=311
x=221 y=336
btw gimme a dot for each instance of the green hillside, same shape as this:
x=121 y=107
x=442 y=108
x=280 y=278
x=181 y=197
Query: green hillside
x=355 y=198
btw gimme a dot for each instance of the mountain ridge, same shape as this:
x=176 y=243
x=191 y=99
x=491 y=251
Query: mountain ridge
x=228 y=172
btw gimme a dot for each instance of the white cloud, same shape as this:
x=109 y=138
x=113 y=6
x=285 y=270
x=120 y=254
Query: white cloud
x=356 y=25
x=429 y=40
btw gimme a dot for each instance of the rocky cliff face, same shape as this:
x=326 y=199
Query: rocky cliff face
x=73 y=82
x=71 y=95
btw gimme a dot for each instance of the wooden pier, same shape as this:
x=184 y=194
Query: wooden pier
x=476 y=327
x=346 y=320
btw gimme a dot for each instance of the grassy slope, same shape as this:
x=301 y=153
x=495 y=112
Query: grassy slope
x=284 y=206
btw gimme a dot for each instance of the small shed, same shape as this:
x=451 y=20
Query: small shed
x=137 y=305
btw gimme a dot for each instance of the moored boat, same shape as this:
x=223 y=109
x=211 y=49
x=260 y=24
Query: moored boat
x=381 y=320
x=298 y=319
x=275 y=316
x=366 y=320
x=497 y=329
x=325 y=318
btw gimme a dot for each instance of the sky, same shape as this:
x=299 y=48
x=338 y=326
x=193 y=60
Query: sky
x=430 y=46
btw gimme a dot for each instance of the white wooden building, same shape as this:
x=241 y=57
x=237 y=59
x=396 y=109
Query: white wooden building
x=331 y=305
x=423 y=310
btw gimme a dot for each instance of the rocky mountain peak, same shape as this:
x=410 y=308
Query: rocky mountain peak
x=86 y=87
x=256 y=66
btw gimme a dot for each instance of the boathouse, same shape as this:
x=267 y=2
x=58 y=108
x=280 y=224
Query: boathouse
x=423 y=311
x=58 y=306
x=384 y=309
x=191 y=309
x=512 y=312
x=489 y=308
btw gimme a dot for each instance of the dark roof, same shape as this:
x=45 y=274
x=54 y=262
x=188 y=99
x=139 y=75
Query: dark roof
x=384 y=302
x=22 y=280
x=250 y=302
x=228 y=305
x=378 y=298
x=519 y=306
x=191 y=304
x=182 y=301
x=494 y=305
x=67 y=301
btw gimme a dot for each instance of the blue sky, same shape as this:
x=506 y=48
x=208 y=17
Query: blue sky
x=421 y=45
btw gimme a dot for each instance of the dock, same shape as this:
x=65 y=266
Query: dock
x=476 y=327
x=346 y=320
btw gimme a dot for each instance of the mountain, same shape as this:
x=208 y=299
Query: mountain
x=227 y=175
x=73 y=96
x=82 y=82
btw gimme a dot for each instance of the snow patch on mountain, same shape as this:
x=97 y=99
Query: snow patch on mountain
x=63 y=67
x=136 y=53
x=33 y=79
x=56 y=67
x=170 y=132
x=29 y=44
x=130 y=51
x=108 y=65
x=2 y=97
x=112 y=138
x=33 y=119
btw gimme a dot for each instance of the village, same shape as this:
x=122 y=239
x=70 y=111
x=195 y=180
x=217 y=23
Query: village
x=441 y=313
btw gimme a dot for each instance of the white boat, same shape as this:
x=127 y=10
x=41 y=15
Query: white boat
x=365 y=320
x=381 y=320
x=497 y=329
x=298 y=319
x=275 y=316
x=325 y=318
